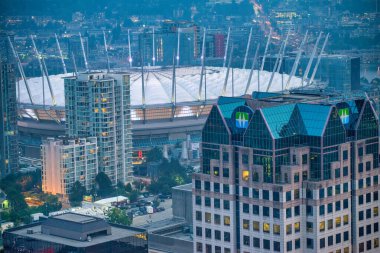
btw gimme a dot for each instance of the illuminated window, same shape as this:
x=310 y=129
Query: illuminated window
x=227 y=220
x=266 y=227
x=296 y=227
x=245 y=175
x=256 y=226
x=296 y=194
x=321 y=226
x=346 y=250
x=104 y=110
x=288 y=229
x=338 y=221
x=104 y=99
x=208 y=217
x=345 y=219
x=376 y=243
x=96 y=110
x=216 y=171
x=276 y=229
x=375 y=211
x=246 y=224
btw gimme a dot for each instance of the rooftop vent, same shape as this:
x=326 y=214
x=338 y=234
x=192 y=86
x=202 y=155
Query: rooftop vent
x=29 y=231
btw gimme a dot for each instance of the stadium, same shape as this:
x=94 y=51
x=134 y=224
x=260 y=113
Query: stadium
x=167 y=111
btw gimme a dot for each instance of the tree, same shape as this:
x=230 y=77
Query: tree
x=77 y=192
x=118 y=216
x=133 y=196
x=104 y=183
x=128 y=188
x=154 y=155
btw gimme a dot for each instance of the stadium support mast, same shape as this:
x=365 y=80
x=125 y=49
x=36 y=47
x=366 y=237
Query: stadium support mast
x=283 y=52
x=43 y=68
x=266 y=50
x=297 y=60
x=226 y=49
x=252 y=68
x=203 y=64
x=178 y=44
x=306 y=74
x=319 y=60
x=173 y=100
x=248 y=46
x=74 y=64
x=228 y=71
x=83 y=52
x=129 y=50
x=106 y=50
x=20 y=69
x=275 y=66
x=60 y=54
x=153 y=50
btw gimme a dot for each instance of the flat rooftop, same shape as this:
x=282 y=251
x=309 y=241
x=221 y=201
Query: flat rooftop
x=184 y=187
x=72 y=217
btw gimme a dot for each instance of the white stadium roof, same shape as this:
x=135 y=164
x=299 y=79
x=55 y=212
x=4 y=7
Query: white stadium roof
x=158 y=85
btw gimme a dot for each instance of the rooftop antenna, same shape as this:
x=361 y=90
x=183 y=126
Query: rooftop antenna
x=106 y=50
x=247 y=50
x=252 y=68
x=83 y=52
x=178 y=44
x=226 y=49
x=203 y=63
x=129 y=50
x=306 y=74
x=266 y=50
x=319 y=60
x=21 y=70
x=297 y=60
x=43 y=69
x=74 y=64
x=153 y=50
x=60 y=54
x=228 y=72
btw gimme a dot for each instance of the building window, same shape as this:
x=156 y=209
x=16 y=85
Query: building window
x=345 y=187
x=345 y=155
x=368 y=181
x=337 y=189
x=255 y=177
x=376 y=243
x=375 y=180
x=255 y=209
x=337 y=206
x=330 y=224
x=208 y=233
x=276 y=196
x=245 y=175
x=346 y=236
x=330 y=240
x=207 y=186
x=198 y=184
x=360 y=167
x=375 y=211
x=309 y=194
x=309 y=227
x=276 y=213
x=361 y=247
x=227 y=237
x=288 y=196
x=266 y=194
x=227 y=220
x=226 y=189
x=361 y=215
x=266 y=244
x=226 y=205
x=256 y=242
x=246 y=224
x=276 y=246
x=276 y=229
x=337 y=173
x=245 y=208
x=296 y=211
x=208 y=248
x=225 y=157
x=296 y=177
x=256 y=226
x=321 y=193
x=266 y=211
x=329 y=208
x=198 y=200
x=297 y=243
x=255 y=193
x=218 y=249
x=322 y=243
x=198 y=216
x=217 y=235
x=368 y=166
x=216 y=187
x=309 y=210
x=361 y=231
x=217 y=203
x=368 y=213
x=216 y=171
x=310 y=243
x=345 y=219
x=245 y=159
x=338 y=222
x=199 y=247
x=207 y=202
x=245 y=191
x=369 y=245
x=322 y=226
x=217 y=219
x=329 y=191
x=296 y=194
x=289 y=245
x=227 y=250
x=368 y=198
x=360 y=151
x=289 y=229
x=289 y=212
x=368 y=229
x=304 y=159
x=345 y=171
x=208 y=217
x=376 y=196
x=198 y=231
x=322 y=210
x=246 y=240
x=266 y=227
x=226 y=172
x=361 y=199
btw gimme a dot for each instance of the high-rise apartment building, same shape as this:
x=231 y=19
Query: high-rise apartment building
x=66 y=161
x=288 y=173
x=98 y=105
x=8 y=120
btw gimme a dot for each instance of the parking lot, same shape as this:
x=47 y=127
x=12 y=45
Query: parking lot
x=148 y=218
